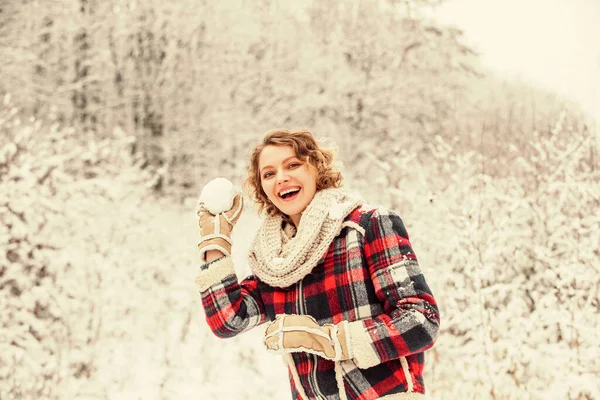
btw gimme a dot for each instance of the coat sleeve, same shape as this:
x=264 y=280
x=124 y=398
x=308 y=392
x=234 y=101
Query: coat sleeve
x=231 y=307
x=411 y=319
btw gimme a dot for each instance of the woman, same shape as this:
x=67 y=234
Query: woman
x=347 y=303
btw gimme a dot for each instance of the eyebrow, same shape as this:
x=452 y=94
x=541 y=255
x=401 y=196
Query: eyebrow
x=267 y=166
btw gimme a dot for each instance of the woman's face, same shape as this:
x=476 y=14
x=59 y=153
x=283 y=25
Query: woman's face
x=289 y=183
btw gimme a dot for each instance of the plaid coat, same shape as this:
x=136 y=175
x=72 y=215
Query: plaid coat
x=370 y=277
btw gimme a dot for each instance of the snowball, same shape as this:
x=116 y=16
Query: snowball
x=217 y=195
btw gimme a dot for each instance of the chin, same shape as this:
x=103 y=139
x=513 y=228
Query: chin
x=292 y=210
x=287 y=210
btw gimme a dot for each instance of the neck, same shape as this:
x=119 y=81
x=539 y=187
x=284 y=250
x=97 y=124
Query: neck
x=296 y=220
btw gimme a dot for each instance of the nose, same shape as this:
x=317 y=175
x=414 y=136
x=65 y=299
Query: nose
x=282 y=176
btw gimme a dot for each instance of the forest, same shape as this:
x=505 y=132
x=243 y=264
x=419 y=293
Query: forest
x=115 y=113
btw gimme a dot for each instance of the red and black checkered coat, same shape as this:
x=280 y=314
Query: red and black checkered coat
x=369 y=277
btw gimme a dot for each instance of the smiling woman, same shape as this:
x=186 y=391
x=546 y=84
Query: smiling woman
x=337 y=280
x=288 y=183
x=286 y=161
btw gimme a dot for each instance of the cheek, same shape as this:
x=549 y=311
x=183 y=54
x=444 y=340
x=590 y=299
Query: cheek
x=266 y=188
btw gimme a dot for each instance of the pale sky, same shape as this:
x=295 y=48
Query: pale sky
x=553 y=43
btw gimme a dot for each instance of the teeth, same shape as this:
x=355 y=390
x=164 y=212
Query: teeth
x=288 y=191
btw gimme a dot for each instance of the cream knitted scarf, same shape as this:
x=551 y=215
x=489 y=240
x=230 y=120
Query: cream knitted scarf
x=281 y=259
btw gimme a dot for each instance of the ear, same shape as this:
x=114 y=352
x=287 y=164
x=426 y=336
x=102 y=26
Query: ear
x=315 y=171
x=321 y=182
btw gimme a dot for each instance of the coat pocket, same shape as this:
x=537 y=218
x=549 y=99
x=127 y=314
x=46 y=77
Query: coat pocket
x=342 y=369
x=354 y=382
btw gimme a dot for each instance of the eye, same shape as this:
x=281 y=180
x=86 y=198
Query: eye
x=294 y=165
x=267 y=175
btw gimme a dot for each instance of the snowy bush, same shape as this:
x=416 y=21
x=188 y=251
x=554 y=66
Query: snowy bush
x=96 y=279
x=53 y=180
x=513 y=262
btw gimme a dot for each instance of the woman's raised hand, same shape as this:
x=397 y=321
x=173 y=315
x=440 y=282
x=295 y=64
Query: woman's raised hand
x=215 y=230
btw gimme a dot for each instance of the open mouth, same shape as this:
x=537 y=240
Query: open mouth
x=289 y=194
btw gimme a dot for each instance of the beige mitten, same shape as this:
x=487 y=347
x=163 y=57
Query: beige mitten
x=302 y=333
x=215 y=230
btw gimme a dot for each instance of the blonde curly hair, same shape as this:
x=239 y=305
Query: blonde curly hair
x=307 y=149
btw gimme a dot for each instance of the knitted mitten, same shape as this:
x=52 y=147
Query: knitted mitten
x=302 y=333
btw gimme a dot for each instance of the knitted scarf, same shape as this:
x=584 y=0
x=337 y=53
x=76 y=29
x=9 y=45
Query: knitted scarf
x=279 y=258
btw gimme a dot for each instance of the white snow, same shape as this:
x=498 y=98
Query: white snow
x=217 y=195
